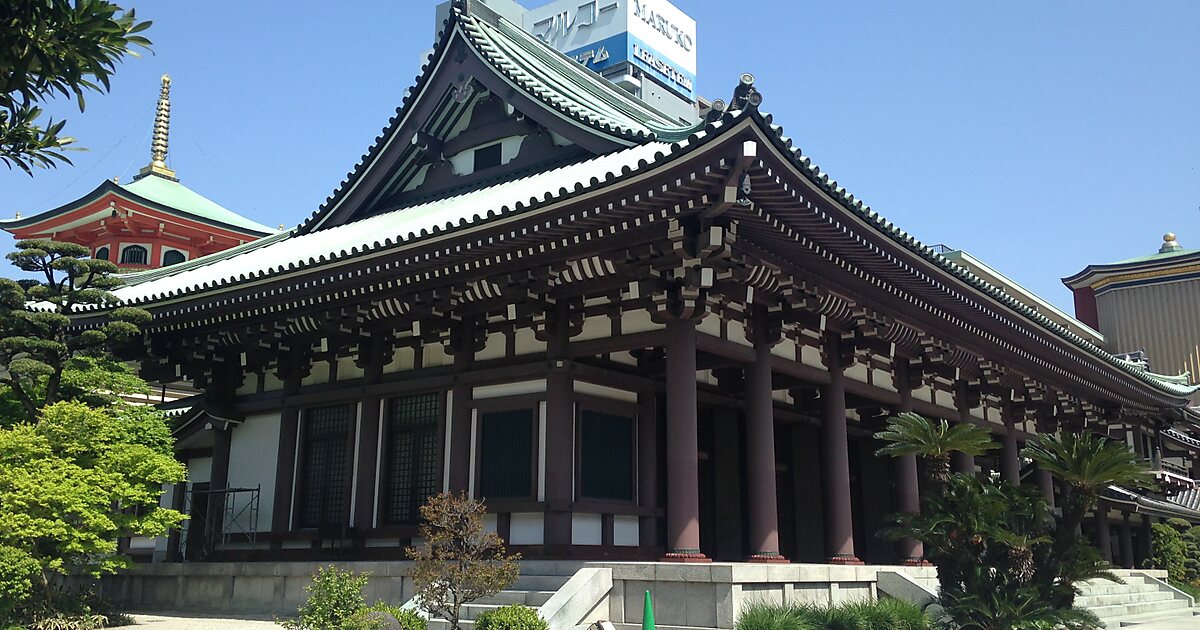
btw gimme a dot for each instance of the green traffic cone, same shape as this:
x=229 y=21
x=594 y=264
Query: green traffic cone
x=648 y=614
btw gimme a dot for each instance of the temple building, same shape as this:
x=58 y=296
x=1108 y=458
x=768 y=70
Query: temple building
x=153 y=221
x=634 y=336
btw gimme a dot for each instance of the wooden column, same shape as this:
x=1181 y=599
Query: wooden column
x=1103 y=536
x=373 y=355
x=294 y=366
x=1045 y=482
x=835 y=462
x=560 y=432
x=647 y=467
x=459 y=427
x=760 y=446
x=218 y=482
x=683 y=487
x=1010 y=454
x=174 y=536
x=1126 y=533
x=904 y=468
x=1147 y=535
x=961 y=462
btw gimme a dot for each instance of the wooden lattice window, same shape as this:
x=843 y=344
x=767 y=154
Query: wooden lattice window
x=605 y=456
x=173 y=257
x=506 y=461
x=325 y=434
x=411 y=458
x=134 y=255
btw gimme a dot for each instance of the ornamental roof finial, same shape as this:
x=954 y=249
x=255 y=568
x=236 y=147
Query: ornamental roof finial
x=1169 y=244
x=162 y=130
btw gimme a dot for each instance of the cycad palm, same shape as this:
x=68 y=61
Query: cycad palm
x=913 y=434
x=1087 y=464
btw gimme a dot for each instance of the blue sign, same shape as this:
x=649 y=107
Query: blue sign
x=622 y=47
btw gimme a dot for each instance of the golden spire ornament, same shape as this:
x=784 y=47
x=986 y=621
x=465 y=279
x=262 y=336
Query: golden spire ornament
x=162 y=131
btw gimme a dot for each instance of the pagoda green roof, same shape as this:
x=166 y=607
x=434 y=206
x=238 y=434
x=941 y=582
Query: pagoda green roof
x=1156 y=257
x=171 y=193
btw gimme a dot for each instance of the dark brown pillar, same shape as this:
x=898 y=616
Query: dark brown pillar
x=174 y=536
x=285 y=470
x=908 y=495
x=760 y=447
x=1126 y=533
x=1045 y=482
x=962 y=463
x=218 y=482
x=1010 y=454
x=1103 y=536
x=560 y=432
x=683 y=487
x=366 y=464
x=460 y=409
x=835 y=463
x=727 y=487
x=647 y=468
x=1147 y=536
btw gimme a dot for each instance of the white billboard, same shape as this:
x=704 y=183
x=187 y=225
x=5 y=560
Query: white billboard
x=651 y=34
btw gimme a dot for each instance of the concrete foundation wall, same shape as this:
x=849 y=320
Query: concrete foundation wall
x=699 y=595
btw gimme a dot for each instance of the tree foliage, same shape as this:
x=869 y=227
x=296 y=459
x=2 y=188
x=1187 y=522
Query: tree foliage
x=459 y=562
x=79 y=479
x=37 y=340
x=56 y=48
x=1004 y=559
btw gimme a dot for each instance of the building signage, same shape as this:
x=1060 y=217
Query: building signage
x=651 y=34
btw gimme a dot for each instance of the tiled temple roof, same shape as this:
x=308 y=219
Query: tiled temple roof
x=569 y=88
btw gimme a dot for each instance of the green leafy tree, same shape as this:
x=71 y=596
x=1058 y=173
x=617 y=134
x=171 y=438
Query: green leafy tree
x=912 y=434
x=78 y=480
x=55 y=48
x=38 y=343
x=459 y=562
x=335 y=602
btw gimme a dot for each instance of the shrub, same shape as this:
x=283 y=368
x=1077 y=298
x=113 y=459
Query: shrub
x=1168 y=550
x=408 y=619
x=864 y=615
x=514 y=617
x=17 y=570
x=335 y=601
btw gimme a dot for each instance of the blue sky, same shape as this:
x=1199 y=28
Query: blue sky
x=1039 y=136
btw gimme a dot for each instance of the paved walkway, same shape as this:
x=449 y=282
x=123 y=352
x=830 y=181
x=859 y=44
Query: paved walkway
x=192 y=622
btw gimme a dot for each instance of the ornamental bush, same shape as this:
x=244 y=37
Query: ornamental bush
x=335 y=601
x=1168 y=550
x=862 y=615
x=514 y=617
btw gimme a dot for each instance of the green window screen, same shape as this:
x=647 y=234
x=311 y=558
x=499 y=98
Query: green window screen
x=506 y=462
x=606 y=456
x=411 y=458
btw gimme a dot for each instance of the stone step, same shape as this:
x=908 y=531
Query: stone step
x=1112 y=587
x=1125 y=610
x=1093 y=601
x=539 y=583
x=1128 y=579
x=533 y=599
x=1158 y=618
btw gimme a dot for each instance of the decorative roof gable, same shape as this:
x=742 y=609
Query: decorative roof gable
x=491 y=103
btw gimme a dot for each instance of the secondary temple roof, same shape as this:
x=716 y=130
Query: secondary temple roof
x=627 y=139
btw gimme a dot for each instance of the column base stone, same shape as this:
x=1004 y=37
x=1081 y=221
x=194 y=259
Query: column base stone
x=916 y=562
x=844 y=558
x=690 y=556
x=768 y=557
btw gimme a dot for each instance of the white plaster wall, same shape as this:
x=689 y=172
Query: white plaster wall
x=253 y=454
x=944 y=399
x=786 y=348
x=811 y=356
x=508 y=389
x=883 y=380
x=319 y=374
x=586 y=529
x=526 y=342
x=857 y=372
x=595 y=327
x=978 y=412
x=434 y=355
x=710 y=326
x=347 y=370
x=526 y=528
x=602 y=391
x=923 y=392
x=638 y=321
x=493 y=347
x=626 y=531
x=737 y=333
x=402 y=360
x=271 y=383
x=249 y=385
x=199 y=469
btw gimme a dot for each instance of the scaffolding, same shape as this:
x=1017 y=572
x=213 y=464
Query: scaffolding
x=236 y=512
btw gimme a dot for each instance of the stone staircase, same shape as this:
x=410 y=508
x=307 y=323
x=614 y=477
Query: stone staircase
x=530 y=590
x=1143 y=598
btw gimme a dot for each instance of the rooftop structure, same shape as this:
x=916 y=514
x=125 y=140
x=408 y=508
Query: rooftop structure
x=153 y=221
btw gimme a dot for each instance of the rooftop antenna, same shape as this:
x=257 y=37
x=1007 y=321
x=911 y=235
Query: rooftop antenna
x=162 y=130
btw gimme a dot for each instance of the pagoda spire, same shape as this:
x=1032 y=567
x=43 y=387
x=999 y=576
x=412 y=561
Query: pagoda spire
x=162 y=131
